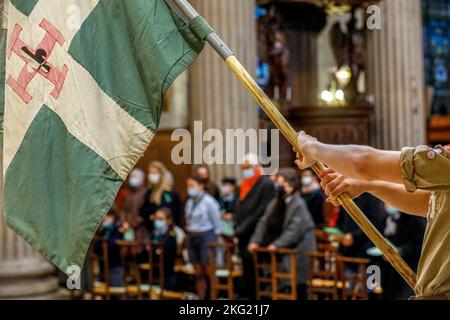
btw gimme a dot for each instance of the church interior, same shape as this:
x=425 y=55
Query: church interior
x=365 y=72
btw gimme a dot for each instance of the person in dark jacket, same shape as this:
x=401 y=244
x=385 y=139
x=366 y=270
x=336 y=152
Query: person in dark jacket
x=355 y=243
x=112 y=230
x=313 y=195
x=160 y=194
x=165 y=233
x=256 y=191
x=287 y=223
x=210 y=186
x=228 y=191
x=406 y=233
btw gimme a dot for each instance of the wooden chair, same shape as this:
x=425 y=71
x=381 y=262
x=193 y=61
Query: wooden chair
x=222 y=273
x=329 y=279
x=129 y=252
x=100 y=271
x=325 y=242
x=155 y=271
x=269 y=276
x=354 y=286
x=263 y=268
x=324 y=279
x=154 y=266
x=289 y=276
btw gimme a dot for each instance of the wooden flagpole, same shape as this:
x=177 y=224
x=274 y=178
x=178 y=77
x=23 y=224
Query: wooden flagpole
x=274 y=114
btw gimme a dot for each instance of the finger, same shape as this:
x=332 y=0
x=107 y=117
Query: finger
x=325 y=172
x=327 y=179
x=300 y=164
x=329 y=188
x=340 y=189
x=334 y=202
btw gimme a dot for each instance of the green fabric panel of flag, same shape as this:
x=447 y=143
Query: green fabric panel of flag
x=58 y=191
x=201 y=27
x=140 y=48
x=24 y=6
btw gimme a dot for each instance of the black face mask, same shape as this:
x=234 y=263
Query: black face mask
x=281 y=193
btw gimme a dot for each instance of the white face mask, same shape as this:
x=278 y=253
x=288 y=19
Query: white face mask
x=153 y=178
x=307 y=181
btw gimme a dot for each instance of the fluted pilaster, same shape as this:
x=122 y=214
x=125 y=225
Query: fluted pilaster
x=396 y=75
x=216 y=96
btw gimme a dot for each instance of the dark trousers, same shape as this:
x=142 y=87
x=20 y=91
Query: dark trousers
x=248 y=266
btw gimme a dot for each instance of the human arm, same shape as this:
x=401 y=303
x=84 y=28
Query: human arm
x=358 y=162
x=395 y=195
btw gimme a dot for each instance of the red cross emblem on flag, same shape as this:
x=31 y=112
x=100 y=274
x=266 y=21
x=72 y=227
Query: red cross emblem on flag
x=37 y=61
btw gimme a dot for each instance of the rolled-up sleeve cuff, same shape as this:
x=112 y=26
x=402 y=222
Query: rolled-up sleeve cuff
x=407 y=165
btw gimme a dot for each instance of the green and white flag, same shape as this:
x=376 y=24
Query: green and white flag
x=84 y=86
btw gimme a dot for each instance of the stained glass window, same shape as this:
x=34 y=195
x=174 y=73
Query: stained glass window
x=436 y=30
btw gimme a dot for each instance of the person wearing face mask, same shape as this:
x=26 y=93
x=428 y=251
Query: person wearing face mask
x=228 y=200
x=112 y=229
x=210 y=186
x=164 y=232
x=287 y=223
x=313 y=195
x=255 y=193
x=203 y=225
x=160 y=194
x=134 y=201
x=406 y=233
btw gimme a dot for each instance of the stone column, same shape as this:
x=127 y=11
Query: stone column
x=23 y=272
x=216 y=97
x=396 y=76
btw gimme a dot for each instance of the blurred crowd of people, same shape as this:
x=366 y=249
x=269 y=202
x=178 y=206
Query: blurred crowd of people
x=280 y=211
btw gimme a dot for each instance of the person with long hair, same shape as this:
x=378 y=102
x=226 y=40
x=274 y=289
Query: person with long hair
x=160 y=194
x=287 y=223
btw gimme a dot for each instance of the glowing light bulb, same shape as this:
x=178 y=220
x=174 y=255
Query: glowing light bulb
x=344 y=73
x=340 y=95
x=327 y=96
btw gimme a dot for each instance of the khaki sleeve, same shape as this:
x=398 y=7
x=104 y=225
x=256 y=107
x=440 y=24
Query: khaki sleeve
x=425 y=168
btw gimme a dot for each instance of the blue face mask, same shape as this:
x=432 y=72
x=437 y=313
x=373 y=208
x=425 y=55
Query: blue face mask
x=107 y=224
x=248 y=173
x=160 y=226
x=193 y=192
x=134 y=182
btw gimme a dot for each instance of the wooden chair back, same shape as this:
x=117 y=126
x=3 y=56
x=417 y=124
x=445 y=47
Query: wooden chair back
x=323 y=276
x=99 y=268
x=222 y=270
x=354 y=285
x=324 y=242
x=130 y=268
x=268 y=274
